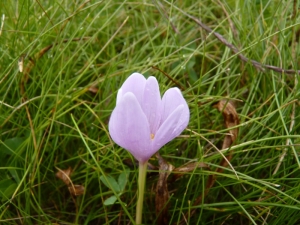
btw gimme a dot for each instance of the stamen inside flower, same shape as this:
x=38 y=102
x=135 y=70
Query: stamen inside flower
x=152 y=136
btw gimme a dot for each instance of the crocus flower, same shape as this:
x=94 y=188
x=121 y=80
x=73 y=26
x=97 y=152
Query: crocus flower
x=142 y=122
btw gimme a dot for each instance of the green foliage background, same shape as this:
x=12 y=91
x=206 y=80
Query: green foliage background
x=50 y=120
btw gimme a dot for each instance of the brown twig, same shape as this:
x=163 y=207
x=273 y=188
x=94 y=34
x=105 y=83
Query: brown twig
x=24 y=80
x=45 y=12
x=169 y=77
x=31 y=127
x=259 y=66
x=35 y=146
x=42 y=52
x=36 y=57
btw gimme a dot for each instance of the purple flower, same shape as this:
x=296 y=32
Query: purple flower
x=142 y=122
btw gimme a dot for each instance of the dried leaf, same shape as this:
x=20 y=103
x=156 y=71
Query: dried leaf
x=21 y=62
x=64 y=175
x=93 y=89
x=231 y=119
x=2 y=23
x=162 y=194
x=188 y=167
x=76 y=189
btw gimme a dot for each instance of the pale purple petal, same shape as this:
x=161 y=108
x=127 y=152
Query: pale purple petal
x=135 y=83
x=171 y=127
x=119 y=95
x=170 y=101
x=152 y=103
x=129 y=127
x=142 y=122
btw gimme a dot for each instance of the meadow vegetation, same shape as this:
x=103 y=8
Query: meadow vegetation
x=61 y=65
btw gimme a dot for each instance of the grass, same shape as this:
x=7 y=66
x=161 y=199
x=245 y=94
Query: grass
x=54 y=114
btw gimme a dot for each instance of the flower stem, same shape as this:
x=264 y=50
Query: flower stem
x=141 y=189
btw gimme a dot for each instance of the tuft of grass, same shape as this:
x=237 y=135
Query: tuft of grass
x=54 y=114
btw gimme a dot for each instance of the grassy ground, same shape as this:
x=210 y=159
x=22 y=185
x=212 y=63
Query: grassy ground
x=54 y=114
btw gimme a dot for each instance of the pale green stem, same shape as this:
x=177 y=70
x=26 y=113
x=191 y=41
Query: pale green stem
x=141 y=183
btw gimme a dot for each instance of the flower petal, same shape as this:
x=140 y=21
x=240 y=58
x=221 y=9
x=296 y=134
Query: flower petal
x=129 y=127
x=135 y=83
x=152 y=103
x=170 y=101
x=175 y=117
x=171 y=127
